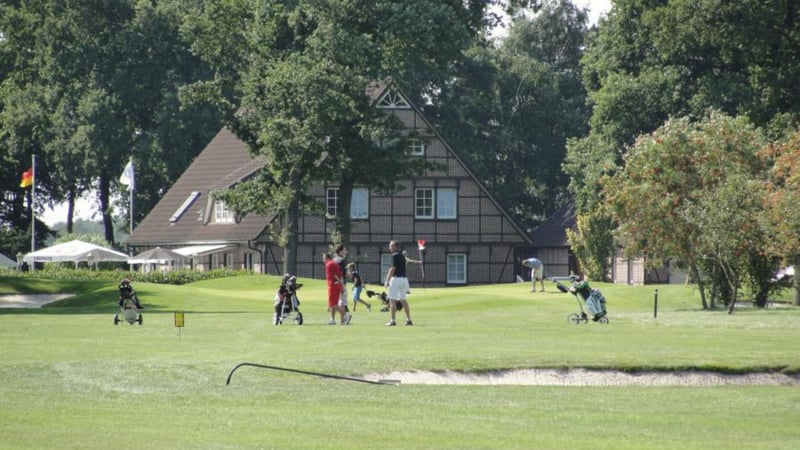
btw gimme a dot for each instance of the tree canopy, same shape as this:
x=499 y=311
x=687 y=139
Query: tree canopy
x=656 y=59
x=303 y=103
x=87 y=86
x=511 y=110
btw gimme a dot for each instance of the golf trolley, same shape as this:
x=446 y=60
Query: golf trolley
x=128 y=304
x=384 y=300
x=287 y=305
x=593 y=298
x=128 y=311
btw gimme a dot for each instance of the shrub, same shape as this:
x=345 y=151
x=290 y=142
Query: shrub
x=57 y=272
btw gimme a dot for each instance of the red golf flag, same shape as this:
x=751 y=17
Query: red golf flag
x=27 y=178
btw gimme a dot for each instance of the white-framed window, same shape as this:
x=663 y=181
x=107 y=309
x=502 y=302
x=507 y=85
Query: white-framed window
x=359 y=203
x=222 y=214
x=441 y=203
x=393 y=100
x=423 y=203
x=332 y=202
x=457 y=268
x=446 y=204
x=417 y=147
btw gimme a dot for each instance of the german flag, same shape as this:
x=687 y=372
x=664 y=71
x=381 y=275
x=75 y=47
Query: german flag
x=27 y=178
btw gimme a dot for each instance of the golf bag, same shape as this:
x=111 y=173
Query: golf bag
x=384 y=300
x=287 y=305
x=593 y=299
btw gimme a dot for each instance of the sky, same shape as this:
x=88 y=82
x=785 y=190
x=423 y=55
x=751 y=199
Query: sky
x=596 y=8
x=85 y=207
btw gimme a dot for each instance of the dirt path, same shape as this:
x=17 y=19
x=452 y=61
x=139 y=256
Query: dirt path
x=583 y=377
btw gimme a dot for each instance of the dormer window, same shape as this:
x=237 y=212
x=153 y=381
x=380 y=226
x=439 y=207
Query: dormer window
x=222 y=214
x=184 y=206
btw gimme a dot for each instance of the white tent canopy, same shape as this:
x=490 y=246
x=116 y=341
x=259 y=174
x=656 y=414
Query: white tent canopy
x=201 y=250
x=5 y=261
x=157 y=255
x=75 y=251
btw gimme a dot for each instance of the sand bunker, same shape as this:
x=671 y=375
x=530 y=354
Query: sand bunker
x=585 y=377
x=30 y=301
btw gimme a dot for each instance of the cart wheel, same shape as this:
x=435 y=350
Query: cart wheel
x=276 y=319
x=603 y=319
x=299 y=318
x=116 y=319
x=574 y=318
x=139 y=319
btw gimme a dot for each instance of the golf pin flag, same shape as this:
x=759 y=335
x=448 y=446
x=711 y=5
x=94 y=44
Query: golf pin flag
x=421 y=245
x=127 y=177
x=27 y=178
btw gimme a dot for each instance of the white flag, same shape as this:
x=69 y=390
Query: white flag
x=127 y=177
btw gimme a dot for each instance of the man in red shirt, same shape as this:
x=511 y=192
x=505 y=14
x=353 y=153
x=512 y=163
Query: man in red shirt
x=335 y=278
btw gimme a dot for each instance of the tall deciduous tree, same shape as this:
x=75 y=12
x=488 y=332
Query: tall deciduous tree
x=105 y=77
x=677 y=195
x=302 y=92
x=654 y=59
x=592 y=240
x=511 y=110
x=782 y=214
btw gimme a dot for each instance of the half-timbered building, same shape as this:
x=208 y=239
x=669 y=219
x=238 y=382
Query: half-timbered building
x=469 y=238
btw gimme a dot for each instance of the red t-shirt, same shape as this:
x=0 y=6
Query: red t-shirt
x=333 y=272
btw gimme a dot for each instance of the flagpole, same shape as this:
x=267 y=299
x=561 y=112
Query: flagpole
x=421 y=249
x=33 y=209
x=130 y=193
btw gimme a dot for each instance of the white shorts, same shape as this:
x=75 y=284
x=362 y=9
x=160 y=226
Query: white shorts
x=537 y=273
x=343 y=297
x=398 y=288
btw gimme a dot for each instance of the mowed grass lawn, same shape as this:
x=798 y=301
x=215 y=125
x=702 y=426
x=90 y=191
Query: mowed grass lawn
x=69 y=378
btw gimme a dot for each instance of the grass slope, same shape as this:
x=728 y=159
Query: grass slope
x=69 y=378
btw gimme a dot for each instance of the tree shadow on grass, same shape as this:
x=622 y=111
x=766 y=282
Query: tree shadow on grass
x=104 y=301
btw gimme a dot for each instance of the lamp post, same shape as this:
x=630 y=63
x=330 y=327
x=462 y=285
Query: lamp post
x=19 y=261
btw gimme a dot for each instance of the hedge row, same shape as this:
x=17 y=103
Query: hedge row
x=52 y=271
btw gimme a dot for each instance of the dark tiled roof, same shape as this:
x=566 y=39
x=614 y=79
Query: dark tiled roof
x=552 y=233
x=222 y=163
x=376 y=88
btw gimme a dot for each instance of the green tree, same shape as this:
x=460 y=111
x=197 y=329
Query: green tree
x=664 y=197
x=302 y=93
x=23 y=126
x=783 y=195
x=105 y=79
x=732 y=239
x=510 y=110
x=593 y=243
x=654 y=59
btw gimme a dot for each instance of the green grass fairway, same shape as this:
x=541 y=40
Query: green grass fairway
x=70 y=378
